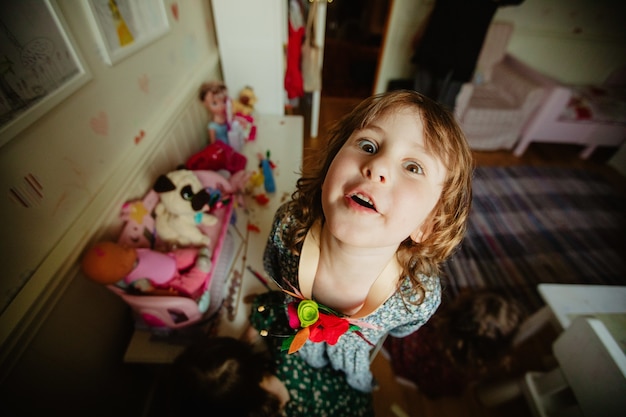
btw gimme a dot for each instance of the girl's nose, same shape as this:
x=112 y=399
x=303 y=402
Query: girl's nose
x=376 y=170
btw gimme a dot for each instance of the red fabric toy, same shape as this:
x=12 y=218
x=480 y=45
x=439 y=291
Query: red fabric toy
x=215 y=157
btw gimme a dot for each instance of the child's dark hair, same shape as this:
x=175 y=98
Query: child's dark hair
x=443 y=137
x=221 y=376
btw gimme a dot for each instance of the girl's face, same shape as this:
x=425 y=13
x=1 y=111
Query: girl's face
x=382 y=184
x=215 y=103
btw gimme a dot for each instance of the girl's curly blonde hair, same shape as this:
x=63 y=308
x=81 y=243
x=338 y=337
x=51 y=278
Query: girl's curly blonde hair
x=443 y=138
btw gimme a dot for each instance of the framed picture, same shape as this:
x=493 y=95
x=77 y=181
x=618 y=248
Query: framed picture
x=125 y=26
x=39 y=65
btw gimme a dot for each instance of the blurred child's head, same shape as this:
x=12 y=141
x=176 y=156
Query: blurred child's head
x=481 y=326
x=444 y=226
x=224 y=376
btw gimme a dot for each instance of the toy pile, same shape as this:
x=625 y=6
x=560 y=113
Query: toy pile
x=162 y=263
x=163 y=260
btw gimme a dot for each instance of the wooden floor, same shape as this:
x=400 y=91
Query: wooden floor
x=394 y=399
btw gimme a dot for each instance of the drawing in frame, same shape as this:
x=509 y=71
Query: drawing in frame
x=125 y=26
x=40 y=64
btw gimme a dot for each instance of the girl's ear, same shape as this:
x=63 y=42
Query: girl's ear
x=418 y=235
x=422 y=232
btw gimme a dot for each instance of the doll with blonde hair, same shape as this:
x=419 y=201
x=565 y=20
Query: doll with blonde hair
x=366 y=231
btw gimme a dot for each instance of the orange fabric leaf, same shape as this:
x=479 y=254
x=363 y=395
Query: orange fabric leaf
x=299 y=340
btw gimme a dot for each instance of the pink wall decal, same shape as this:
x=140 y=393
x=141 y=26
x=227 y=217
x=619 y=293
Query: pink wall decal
x=100 y=124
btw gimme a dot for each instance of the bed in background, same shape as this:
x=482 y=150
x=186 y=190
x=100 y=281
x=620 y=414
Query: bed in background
x=589 y=115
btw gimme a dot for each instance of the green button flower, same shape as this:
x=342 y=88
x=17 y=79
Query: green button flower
x=308 y=312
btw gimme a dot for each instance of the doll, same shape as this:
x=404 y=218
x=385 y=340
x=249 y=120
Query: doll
x=144 y=270
x=214 y=97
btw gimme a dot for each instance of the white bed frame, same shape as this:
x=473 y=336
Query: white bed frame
x=548 y=125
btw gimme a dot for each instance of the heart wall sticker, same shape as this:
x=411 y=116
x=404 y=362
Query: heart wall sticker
x=100 y=124
x=175 y=11
x=144 y=83
x=140 y=136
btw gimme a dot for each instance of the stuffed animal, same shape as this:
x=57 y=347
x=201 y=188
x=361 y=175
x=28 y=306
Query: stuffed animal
x=180 y=210
x=244 y=104
x=229 y=187
x=242 y=127
x=139 y=224
x=148 y=271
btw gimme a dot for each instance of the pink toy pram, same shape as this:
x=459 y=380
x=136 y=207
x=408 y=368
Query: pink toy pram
x=174 y=311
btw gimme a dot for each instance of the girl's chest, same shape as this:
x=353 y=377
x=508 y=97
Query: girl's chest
x=345 y=296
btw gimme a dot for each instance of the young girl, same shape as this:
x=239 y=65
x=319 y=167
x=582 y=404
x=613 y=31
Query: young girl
x=364 y=234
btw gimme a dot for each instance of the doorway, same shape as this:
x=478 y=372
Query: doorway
x=352 y=46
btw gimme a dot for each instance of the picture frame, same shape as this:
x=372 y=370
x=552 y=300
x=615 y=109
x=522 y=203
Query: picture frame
x=40 y=65
x=123 y=27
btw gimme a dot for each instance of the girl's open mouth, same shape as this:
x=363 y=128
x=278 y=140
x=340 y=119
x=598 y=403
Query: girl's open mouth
x=363 y=200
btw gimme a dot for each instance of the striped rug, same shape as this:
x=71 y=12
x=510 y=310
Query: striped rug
x=531 y=225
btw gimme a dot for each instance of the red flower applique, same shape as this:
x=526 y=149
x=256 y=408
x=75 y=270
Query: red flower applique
x=317 y=323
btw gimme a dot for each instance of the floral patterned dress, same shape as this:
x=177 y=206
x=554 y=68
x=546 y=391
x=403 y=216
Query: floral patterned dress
x=313 y=392
x=350 y=356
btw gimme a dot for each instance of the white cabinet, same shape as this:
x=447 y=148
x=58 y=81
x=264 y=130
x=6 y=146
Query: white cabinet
x=251 y=36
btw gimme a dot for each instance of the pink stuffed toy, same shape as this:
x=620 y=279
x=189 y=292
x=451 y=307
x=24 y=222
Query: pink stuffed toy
x=182 y=271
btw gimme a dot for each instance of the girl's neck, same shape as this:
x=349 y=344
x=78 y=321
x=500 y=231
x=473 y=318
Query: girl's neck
x=361 y=263
x=346 y=274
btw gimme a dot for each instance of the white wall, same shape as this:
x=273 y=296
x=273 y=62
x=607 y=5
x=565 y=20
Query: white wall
x=576 y=41
x=251 y=36
x=405 y=16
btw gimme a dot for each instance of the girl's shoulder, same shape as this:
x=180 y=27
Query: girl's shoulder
x=427 y=295
x=284 y=207
x=284 y=214
x=283 y=220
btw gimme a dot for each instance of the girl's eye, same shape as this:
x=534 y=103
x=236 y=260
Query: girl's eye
x=367 y=146
x=414 y=168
